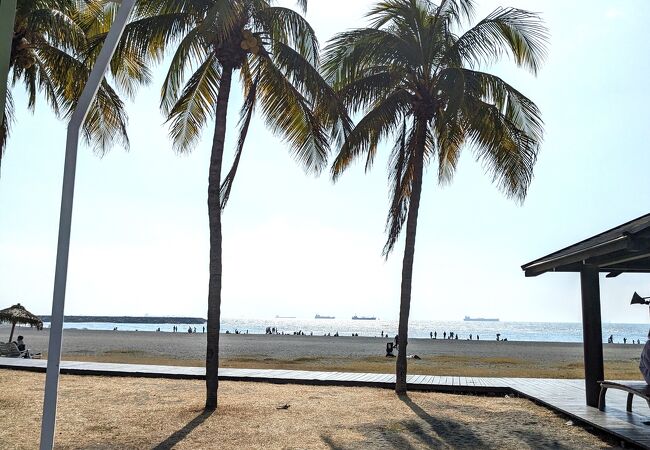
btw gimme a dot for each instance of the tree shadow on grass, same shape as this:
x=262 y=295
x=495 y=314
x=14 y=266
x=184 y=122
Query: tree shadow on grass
x=427 y=432
x=539 y=440
x=448 y=431
x=181 y=434
x=375 y=437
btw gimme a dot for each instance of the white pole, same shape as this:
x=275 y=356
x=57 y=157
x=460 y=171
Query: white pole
x=61 y=273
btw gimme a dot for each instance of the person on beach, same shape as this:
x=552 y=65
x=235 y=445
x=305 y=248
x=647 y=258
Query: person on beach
x=435 y=335
x=22 y=348
x=20 y=343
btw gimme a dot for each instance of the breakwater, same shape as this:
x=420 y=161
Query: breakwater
x=129 y=319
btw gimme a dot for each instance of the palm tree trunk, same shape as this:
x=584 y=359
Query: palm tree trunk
x=409 y=253
x=214 y=215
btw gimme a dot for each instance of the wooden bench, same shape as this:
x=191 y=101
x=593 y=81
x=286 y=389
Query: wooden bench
x=632 y=389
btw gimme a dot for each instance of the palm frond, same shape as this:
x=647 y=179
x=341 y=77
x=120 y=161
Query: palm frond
x=399 y=177
x=516 y=107
x=507 y=152
x=289 y=113
x=246 y=115
x=454 y=11
x=285 y=26
x=222 y=19
x=520 y=33
x=375 y=84
x=191 y=51
x=405 y=158
x=48 y=87
x=105 y=124
x=60 y=28
x=378 y=123
x=6 y=122
x=328 y=106
x=404 y=14
x=350 y=54
x=195 y=105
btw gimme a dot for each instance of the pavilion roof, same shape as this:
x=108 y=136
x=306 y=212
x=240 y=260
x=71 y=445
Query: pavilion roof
x=625 y=248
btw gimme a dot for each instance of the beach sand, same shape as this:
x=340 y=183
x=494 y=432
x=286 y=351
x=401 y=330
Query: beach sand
x=344 y=353
x=137 y=413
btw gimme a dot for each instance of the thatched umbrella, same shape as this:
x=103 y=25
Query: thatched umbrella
x=18 y=314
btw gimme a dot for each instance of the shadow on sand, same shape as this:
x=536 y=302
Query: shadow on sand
x=181 y=434
x=410 y=434
x=446 y=430
x=428 y=431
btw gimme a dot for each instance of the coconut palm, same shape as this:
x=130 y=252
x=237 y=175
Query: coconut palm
x=54 y=46
x=415 y=78
x=275 y=53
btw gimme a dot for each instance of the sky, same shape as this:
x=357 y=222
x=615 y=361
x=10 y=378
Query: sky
x=297 y=245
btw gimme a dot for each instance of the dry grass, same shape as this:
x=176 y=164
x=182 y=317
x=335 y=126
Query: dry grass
x=429 y=365
x=106 y=412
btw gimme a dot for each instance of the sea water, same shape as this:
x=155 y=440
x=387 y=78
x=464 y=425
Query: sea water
x=513 y=331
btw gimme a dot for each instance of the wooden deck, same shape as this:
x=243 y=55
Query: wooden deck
x=566 y=396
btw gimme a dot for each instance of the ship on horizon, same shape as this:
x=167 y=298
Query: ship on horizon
x=355 y=317
x=318 y=316
x=479 y=319
x=285 y=317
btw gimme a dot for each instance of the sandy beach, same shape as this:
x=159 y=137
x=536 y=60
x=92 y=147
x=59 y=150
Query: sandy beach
x=365 y=354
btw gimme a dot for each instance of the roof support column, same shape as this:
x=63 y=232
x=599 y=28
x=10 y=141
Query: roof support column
x=592 y=332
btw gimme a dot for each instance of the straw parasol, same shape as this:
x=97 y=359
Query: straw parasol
x=18 y=314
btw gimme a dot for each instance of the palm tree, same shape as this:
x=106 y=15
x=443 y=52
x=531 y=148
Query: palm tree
x=415 y=79
x=54 y=46
x=275 y=52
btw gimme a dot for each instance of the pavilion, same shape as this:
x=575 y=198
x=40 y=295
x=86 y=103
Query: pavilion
x=625 y=248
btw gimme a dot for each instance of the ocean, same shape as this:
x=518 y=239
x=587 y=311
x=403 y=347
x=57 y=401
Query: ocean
x=513 y=331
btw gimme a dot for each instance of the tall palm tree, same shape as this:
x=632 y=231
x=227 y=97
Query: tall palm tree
x=55 y=44
x=414 y=78
x=275 y=52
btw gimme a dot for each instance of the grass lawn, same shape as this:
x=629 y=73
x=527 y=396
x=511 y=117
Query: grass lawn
x=136 y=413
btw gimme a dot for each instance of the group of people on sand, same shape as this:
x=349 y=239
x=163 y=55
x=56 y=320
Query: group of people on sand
x=190 y=330
x=454 y=336
x=610 y=340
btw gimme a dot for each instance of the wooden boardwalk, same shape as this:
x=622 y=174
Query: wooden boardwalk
x=566 y=396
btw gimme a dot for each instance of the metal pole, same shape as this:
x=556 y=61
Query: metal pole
x=7 y=19
x=60 y=277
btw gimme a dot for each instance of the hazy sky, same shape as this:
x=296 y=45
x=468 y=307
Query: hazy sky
x=298 y=245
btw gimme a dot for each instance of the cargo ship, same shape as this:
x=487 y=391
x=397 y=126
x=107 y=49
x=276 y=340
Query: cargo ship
x=318 y=316
x=479 y=319
x=355 y=317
